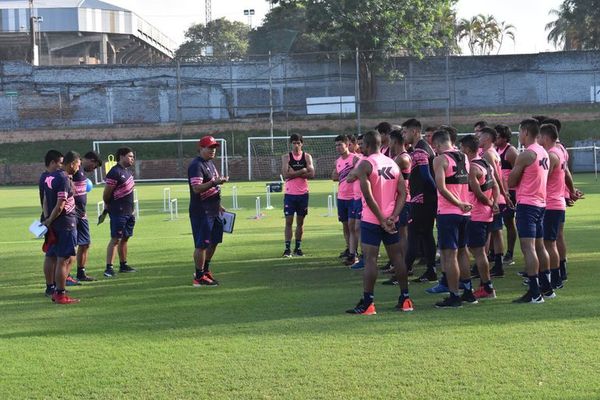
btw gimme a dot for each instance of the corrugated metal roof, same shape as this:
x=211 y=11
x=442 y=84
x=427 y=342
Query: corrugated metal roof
x=97 y=4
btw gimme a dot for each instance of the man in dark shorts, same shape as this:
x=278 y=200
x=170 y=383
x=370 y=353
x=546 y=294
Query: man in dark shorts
x=53 y=161
x=62 y=220
x=296 y=168
x=205 y=209
x=118 y=200
x=91 y=160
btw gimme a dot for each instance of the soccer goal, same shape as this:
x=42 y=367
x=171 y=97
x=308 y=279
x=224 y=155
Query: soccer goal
x=264 y=155
x=158 y=160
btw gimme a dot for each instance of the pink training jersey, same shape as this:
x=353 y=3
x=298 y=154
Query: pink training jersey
x=531 y=190
x=482 y=212
x=384 y=186
x=556 y=187
x=356 y=184
x=457 y=183
x=298 y=185
x=566 y=155
x=343 y=166
x=498 y=168
x=406 y=173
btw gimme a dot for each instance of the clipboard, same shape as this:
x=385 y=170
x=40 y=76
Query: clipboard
x=37 y=229
x=228 y=219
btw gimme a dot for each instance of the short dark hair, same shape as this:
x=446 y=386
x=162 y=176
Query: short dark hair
x=396 y=135
x=480 y=124
x=341 y=138
x=372 y=139
x=123 y=151
x=440 y=136
x=384 y=128
x=430 y=129
x=412 y=123
x=489 y=131
x=71 y=156
x=52 y=155
x=296 y=137
x=471 y=142
x=540 y=118
x=549 y=130
x=503 y=132
x=452 y=131
x=554 y=122
x=531 y=125
x=92 y=155
x=360 y=136
x=351 y=138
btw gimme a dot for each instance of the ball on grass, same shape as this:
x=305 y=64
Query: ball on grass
x=88 y=185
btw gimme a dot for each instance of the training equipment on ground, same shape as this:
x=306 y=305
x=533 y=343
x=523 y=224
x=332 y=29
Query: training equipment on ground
x=166 y=199
x=88 y=185
x=158 y=160
x=268 y=206
x=173 y=209
x=234 y=196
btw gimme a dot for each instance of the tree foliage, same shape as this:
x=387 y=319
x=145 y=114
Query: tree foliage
x=484 y=33
x=576 y=25
x=225 y=38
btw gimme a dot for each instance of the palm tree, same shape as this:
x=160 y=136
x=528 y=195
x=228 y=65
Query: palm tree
x=483 y=33
x=564 y=31
x=505 y=30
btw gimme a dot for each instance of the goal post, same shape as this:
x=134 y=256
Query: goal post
x=159 y=160
x=264 y=155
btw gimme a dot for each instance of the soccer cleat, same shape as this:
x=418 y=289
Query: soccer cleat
x=481 y=293
x=363 y=309
x=405 y=304
x=474 y=271
x=449 y=302
x=387 y=267
x=110 y=273
x=49 y=292
x=72 y=281
x=428 y=276
x=558 y=285
x=298 y=253
x=528 y=298
x=359 y=265
x=350 y=261
x=287 y=253
x=438 y=289
x=345 y=253
x=522 y=274
x=204 y=281
x=127 y=269
x=497 y=272
x=82 y=277
x=210 y=276
x=468 y=297
x=62 y=298
x=390 y=282
x=508 y=260
x=549 y=294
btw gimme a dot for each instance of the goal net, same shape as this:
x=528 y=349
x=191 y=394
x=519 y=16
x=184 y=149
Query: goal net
x=264 y=155
x=159 y=160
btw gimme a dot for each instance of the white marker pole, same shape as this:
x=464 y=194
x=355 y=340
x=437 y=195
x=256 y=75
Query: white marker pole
x=136 y=207
x=166 y=199
x=100 y=207
x=269 y=206
x=330 y=206
x=174 y=209
x=234 y=194
x=335 y=194
x=258 y=215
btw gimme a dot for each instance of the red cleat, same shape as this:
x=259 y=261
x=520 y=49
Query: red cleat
x=204 y=281
x=481 y=293
x=63 y=299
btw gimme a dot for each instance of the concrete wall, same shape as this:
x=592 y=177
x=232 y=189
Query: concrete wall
x=104 y=95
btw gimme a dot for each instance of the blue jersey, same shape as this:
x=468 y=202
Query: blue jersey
x=209 y=202
x=121 y=202
x=79 y=187
x=57 y=186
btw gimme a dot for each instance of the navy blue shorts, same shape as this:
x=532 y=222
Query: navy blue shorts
x=83 y=232
x=295 y=204
x=530 y=221
x=121 y=226
x=552 y=221
x=356 y=209
x=507 y=212
x=497 y=223
x=477 y=233
x=206 y=230
x=66 y=241
x=404 y=216
x=452 y=231
x=373 y=235
x=345 y=208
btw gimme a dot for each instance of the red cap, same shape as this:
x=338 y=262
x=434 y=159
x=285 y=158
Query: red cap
x=208 y=141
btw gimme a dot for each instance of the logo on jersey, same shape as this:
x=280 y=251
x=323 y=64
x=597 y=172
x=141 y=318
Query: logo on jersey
x=48 y=181
x=386 y=172
x=544 y=163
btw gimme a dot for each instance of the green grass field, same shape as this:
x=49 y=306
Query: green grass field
x=276 y=328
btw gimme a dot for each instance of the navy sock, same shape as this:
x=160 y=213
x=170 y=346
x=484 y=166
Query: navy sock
x=498 y=261
x=555 y=276
x=563 y=268
x=488 y=286
x=60 y=291
x=287 y=244
x=199 y=273
x=444 y=279
x=467 y=284
x=206 y=264
x=52 y=286
x=454 y=295
x=368 y=298
x=298 y=244
x=404 y=293
x=534 y=286
x=109 y=266
x=509 y=254
x=123 y=264
x=544 y=277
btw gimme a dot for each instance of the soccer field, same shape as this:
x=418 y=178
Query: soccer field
x=276 y=328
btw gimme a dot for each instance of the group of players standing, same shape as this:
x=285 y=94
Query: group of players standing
x=395 y=182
